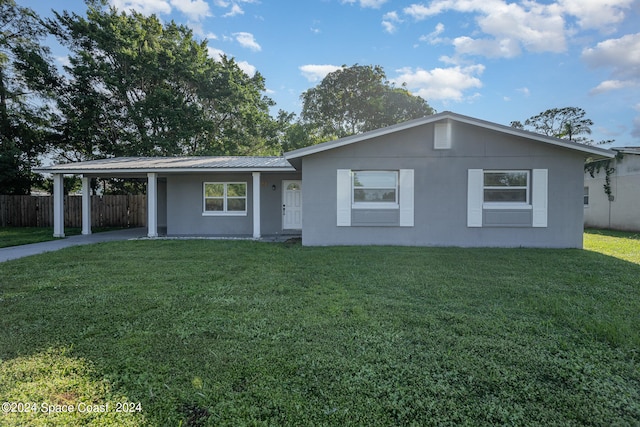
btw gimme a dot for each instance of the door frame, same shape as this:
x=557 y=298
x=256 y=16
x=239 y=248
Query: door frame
x=285 y=184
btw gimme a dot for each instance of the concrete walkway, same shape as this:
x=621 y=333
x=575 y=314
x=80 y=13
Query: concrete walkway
x=15 y=252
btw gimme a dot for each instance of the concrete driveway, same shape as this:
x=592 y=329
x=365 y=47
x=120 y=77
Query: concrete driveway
x=15 y=252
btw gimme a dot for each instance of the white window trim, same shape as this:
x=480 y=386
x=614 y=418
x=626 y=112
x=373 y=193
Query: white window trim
x=224 y=198
x=507 y=205
x=375 y=205
x=539 y=198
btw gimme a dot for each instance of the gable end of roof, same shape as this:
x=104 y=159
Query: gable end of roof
x=447 y=115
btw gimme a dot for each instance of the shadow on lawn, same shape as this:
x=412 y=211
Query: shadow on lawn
x=181 y=349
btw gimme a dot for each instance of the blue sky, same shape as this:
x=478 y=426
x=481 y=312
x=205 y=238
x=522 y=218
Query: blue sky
x=496 y=60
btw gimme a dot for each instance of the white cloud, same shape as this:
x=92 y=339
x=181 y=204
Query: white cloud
x=449 y=60
x=315 y=27
x=234 y=11
x=420 y=12
x=445 y=84
x=392 y=16
x=505 y=48
x=315 y=73
x=249 y=69
x=622 y=56
x=596 y=14
x=590 y=14
x=389 y=27
x=538 y=28
x=247 y=40
x=389 y=21
x=524 y=91
x=432 y=37
x=196 y=27
x=146 y=7
x=374 y=4
x=234 y=6
x=194 y=9
x=215 y=54
x=609 y=85
x=510 y=27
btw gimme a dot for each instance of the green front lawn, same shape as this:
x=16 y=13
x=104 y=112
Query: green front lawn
x=15 y=236
x=243 y=333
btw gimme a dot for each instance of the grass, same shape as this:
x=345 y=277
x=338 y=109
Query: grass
x=618 y=244
x=16 y=236
x=245 y=333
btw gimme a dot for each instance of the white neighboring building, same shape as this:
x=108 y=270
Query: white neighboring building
x=621 y=211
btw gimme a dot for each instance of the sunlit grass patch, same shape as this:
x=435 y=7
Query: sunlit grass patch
x=620 y=244
x=52 y=388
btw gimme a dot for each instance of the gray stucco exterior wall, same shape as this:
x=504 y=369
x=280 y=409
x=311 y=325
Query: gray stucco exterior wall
x=162 y=205
x=184 y=205
x=271 y=200
x=440 y=196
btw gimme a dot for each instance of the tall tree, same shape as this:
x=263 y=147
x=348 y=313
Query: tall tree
x=26 y=79
x=357 y=99
x=568 y=123
x=137 y=87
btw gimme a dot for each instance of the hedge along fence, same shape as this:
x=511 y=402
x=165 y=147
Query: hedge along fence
x=106 y=211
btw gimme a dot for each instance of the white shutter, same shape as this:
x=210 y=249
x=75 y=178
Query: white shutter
x=539 y=197
x=475 y=197
x=343 y=201
x=406 y=197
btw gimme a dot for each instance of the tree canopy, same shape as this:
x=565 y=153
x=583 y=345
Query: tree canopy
x=567 y=123
x=26 y=76
x=357 y=99
x=136 y=87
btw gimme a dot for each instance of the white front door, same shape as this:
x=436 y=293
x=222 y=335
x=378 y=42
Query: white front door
x=292 y=205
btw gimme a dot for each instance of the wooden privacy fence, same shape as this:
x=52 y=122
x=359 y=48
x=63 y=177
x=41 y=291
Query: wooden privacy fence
x=106 y=211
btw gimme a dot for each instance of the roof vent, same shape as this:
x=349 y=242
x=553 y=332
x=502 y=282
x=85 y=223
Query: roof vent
x=442 y=135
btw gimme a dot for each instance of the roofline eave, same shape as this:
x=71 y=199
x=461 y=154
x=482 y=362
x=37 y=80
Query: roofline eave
x=129 y=171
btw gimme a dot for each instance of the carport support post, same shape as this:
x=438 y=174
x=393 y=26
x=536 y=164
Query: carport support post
x=256 y=204
x=58 y=205
x=152 y=204
x=86 y=205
